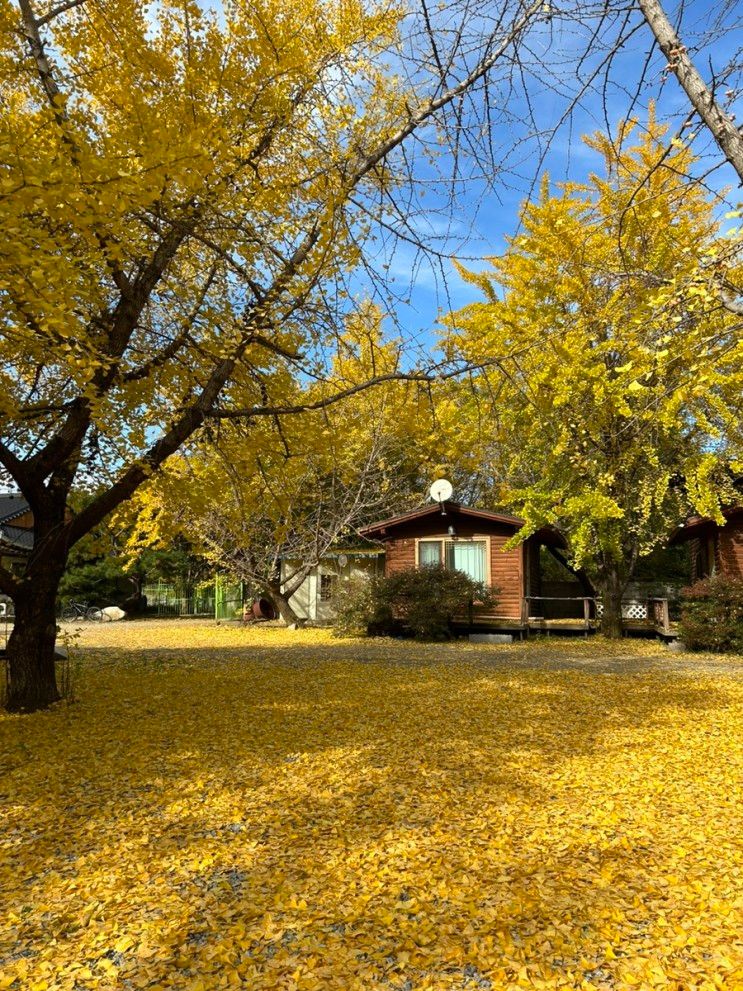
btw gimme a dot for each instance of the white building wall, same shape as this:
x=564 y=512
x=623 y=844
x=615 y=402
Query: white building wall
x=310 y=601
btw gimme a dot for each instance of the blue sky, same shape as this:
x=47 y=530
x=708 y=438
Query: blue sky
x=485 y=213
x=486 y=209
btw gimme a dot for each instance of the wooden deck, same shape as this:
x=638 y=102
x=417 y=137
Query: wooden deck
x=653 y=618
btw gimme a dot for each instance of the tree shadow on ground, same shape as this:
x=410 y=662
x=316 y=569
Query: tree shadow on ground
x=355 y=820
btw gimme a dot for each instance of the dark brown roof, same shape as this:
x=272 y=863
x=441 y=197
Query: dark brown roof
x=11 y=505
x=694 y=525
x=453 y=507
x=16 y=539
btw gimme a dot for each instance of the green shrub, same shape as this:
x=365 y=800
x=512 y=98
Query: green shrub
x=101 y=583
x=423 y=601
x=712 y=615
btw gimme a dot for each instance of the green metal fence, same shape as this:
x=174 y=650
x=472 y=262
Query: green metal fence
x=229 y=599
x=172 y=600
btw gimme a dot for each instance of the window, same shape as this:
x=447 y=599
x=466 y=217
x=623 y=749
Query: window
x=469 y=556
x=326 y=587
x=429 y=554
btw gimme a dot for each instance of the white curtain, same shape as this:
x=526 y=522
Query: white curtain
x=429 y=554
x=467 y=556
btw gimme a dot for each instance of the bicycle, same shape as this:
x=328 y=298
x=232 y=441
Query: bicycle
x=81 y=610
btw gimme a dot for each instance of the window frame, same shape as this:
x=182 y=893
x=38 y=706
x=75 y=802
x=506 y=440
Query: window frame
x=444 y=539
x=326 y=587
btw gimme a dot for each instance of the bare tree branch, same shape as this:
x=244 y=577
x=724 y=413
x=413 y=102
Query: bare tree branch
x=56 y=11
x=721 y=126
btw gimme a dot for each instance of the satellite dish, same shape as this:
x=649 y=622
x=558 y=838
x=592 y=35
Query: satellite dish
x=441 y=490
x=342 y=560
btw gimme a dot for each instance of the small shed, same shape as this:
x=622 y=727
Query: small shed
x=714 y=548
x=452 y=536
x=315 y=599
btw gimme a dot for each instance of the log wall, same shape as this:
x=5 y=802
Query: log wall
x=730 y=548
x=506 y=567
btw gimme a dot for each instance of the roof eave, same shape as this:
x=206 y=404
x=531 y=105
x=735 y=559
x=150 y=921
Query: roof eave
x=699 y=524
x=444 y=509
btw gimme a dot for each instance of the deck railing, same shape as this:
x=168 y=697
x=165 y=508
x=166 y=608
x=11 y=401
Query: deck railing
x=653 y=612
x=659 y=614
x=587 y=600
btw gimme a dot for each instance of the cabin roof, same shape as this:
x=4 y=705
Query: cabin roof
x=379 y=530
x=16 y=539
x=694 y=525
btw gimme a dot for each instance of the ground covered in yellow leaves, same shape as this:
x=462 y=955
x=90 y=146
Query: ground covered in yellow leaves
x=263 y=809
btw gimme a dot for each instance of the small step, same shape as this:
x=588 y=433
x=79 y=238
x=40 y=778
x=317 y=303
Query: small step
x=491 y=638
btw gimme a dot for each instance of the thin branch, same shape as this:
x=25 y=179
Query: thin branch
x=171 y=349
x=432 y=106
x=56 y=11
x=422 y=376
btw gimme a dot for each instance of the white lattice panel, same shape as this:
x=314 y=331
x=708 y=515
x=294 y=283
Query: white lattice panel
x=631 y=609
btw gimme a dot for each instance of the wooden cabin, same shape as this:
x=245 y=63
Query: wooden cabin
x=714 y=549
x=449 y=535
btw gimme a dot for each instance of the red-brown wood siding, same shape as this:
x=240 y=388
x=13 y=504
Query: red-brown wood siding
x=694 y=545
x=399 y=555
x=506 y=567
x=507 y=575
x=730 y=548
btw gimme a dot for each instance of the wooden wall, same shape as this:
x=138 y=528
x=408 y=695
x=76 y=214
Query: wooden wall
x=506 y=567
x=730 y=547
x=721 y=546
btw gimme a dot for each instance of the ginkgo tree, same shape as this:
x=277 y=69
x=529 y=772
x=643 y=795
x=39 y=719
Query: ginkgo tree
x=182 y=193
x=613 y=411
x=264 y=504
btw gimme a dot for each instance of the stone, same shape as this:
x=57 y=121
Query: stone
x=677 y=646
x=113 y=614
x=491 y=638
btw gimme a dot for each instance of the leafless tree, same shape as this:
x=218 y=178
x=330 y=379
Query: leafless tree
x=273 y=529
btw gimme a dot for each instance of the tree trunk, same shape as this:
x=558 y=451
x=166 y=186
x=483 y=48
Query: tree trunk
x=612 y=587
x=32 y=682
x=281 y=605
